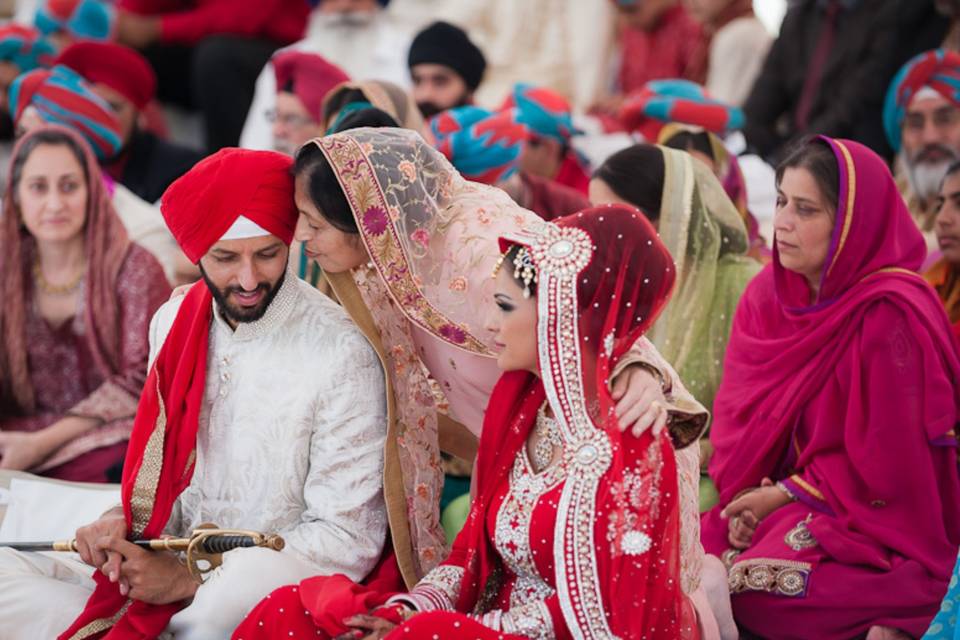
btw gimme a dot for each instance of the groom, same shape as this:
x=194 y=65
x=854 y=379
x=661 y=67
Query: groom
x=264 y=402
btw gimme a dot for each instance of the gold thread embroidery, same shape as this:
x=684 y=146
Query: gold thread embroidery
x=799 y=537
x=806 y=486
x=772 y=575
x=101 y=624
x=851 y=195
x=358 y=181
x=148 y=476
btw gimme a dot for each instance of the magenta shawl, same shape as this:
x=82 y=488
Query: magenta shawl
x=883 y=463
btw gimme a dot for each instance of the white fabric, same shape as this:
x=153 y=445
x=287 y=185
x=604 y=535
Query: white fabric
x=560 y=44
x=925 y=93
x=32 y=581
x=145 y=226
x=737 y=53
x=242 y=228
x=42 y=510
x=291 y=441
x=292 y=432
x=375 y=51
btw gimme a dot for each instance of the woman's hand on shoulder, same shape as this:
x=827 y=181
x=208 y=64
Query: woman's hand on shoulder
x=641 y=404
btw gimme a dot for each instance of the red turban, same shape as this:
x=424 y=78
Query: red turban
x=118 y=67
x=200 y=206
x=310 y=76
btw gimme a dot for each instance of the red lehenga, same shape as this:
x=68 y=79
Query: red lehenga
x=587 y=546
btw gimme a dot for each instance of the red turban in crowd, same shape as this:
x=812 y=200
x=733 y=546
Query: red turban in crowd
x=309 y=76
x=61 y=96
x=203 y=204
x=115 y=66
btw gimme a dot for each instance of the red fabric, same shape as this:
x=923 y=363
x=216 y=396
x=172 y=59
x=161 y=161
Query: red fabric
x=106 y=246
x=549 y=199
x=632 y=297
x=202 y=204
x=312 y=77
x=447 y=625
x=858 y=393
x=116 y=66
x=672 y=49
x=188 y=22
x=573 y=175
x=174 y=391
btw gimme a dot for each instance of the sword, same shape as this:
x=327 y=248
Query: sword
x=203 y=545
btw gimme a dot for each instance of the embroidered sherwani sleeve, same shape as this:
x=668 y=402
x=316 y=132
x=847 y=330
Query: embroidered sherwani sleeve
x=688 y=418
x=344 y=524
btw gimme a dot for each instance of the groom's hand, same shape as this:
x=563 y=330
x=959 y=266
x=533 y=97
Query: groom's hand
x=110 y=525
x=154 y=577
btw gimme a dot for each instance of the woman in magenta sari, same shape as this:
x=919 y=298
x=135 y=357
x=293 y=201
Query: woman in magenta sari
x=836 y=457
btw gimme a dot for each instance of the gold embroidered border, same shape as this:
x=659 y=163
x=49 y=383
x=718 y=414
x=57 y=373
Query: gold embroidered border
x=144 y=491
x=360 y=183
x=851 y=196
x=806 y=486
x=102 y=624
x=772 y=575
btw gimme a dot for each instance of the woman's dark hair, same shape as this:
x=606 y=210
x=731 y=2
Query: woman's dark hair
x=49 y=137
x=507 y=263
x=636 y=174
x=816 y=156
x=371 y=117
x=324 y=189
x=691 y=141
x=340 y=99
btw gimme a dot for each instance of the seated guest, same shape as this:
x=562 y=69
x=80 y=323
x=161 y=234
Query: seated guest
x=385 y=96
x=146 y=165
x=485 y=147
x=836 y=456
x=548 y=150
x=77 y=297
x=357 y=36
x=557 y=472
x=446 y=68
x=944 y=276
x=661 y=102
x=208 y=53
x=704 y=232
x=658 y=39
x=61 y=96
x=22 y=49
x=263 y=409
x=709 y=149
x=736 y=43
x=303 y=81
x=921 y=117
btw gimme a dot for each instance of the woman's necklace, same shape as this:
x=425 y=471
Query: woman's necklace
x=55 y=289
x=548 y=436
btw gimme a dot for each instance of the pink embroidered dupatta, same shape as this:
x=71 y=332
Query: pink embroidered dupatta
x=431 y=237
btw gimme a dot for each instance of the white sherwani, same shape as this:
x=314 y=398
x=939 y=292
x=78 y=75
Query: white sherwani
x=291 y=441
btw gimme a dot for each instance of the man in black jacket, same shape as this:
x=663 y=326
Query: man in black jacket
x=146 y=164
x=829 y=70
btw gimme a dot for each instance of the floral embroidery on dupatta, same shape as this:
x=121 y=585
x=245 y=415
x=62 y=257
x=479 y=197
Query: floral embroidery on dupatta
x=382 y=235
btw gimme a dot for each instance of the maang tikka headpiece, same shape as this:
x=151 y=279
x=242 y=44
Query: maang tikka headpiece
x=524 y=269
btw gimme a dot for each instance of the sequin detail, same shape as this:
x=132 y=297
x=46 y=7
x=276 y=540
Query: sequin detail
x=781 y=577
x=799 y=537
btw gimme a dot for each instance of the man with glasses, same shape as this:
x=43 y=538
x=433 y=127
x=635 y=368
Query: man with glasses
x=303 y=80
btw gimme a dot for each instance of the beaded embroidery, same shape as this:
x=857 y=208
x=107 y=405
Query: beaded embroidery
x=782 y=577
x=799 y=537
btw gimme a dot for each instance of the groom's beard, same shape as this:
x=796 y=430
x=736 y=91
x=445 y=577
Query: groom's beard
x=236 y=313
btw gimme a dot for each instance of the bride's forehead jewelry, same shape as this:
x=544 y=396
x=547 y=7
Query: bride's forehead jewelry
x=525 y=270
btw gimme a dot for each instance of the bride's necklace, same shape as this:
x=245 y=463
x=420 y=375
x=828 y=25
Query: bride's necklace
x=548 y=437
x=54 y=289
